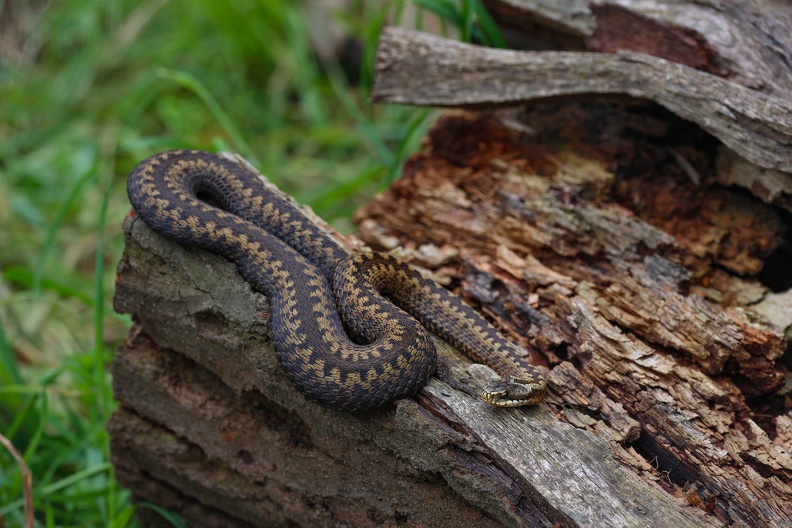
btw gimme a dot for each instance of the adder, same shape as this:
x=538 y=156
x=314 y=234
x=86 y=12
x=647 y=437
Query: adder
x=338 y=322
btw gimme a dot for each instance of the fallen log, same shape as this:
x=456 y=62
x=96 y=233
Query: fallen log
x=209 y=426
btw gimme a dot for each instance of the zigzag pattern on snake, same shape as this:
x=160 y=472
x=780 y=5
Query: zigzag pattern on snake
x=338 y=322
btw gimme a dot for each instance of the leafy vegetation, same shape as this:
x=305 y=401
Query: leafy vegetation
x=90 y=87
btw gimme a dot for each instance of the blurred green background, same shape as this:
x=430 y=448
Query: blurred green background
x=88 y=89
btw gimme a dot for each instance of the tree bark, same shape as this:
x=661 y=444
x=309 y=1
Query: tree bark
x=746 y=42
x=420 y=69
x=209 y=426
x=657 y=336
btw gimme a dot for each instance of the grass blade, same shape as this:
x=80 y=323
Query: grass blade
x=56 y=223
x=168 y=515
x=27 y=480
x=412 y=138
x=9 y=371
x=190 y=82
x=490 y=32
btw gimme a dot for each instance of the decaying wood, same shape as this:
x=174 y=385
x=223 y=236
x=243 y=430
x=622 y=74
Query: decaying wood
x=585 y=232
x=617 y=282
x=209 y=426
x=747 y=42
x=420 y=69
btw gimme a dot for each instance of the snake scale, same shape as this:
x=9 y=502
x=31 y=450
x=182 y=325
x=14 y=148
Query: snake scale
x=338 y=322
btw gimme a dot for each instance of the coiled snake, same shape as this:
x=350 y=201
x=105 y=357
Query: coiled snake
x=336 y=336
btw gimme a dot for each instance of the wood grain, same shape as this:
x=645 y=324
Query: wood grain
x=649 y=342
x=746 y=42
x=209 y=425
x=420 y=69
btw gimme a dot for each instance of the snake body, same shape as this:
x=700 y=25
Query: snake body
x=338 y=322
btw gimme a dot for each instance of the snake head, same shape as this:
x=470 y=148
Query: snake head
x=512 y=392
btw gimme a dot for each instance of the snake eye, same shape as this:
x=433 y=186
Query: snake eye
x=511 y=392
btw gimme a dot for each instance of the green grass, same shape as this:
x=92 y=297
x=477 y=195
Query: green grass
x=88 y=89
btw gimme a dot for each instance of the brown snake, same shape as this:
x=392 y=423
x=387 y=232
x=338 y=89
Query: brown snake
x=338 y=322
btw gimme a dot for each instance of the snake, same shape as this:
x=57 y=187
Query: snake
x=351 y=332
